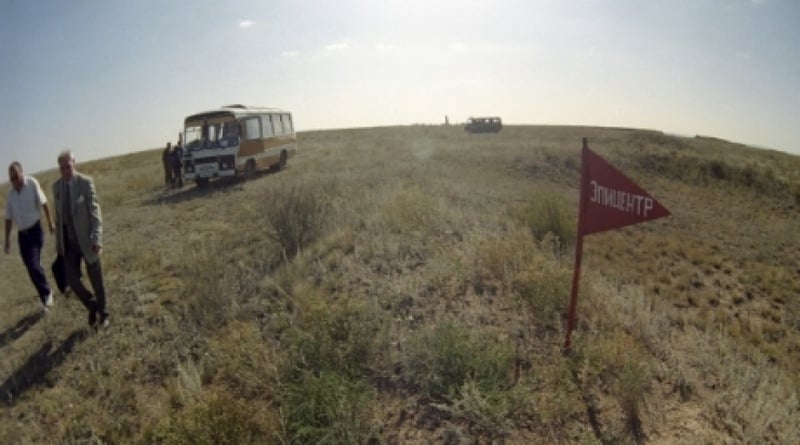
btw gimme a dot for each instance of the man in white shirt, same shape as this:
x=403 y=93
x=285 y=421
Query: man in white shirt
x=23 y=209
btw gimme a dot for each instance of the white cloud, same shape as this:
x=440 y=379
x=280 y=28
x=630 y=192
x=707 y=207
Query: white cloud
x=477 y=81
x=382 y=47
x=742 y=55
x=246 y=23
x=339 y=46
x=290 y=54
x=458 y=47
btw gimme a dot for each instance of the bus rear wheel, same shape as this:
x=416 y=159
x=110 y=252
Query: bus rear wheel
x=284 y=160
x=201 y=182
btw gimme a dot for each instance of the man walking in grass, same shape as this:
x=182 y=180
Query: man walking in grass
x=80 y=236
x=23 y=209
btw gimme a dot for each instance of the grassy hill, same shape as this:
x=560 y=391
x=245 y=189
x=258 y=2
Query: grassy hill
x=409 y=285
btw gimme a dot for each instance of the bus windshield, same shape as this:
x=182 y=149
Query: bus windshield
x=205 y=134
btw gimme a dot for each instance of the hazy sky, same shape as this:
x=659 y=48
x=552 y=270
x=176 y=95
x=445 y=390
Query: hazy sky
x=105 y=77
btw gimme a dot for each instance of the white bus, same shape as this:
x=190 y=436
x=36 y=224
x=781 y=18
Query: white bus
x=236 y=139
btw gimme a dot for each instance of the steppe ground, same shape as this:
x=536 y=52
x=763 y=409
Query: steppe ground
x=409 y=285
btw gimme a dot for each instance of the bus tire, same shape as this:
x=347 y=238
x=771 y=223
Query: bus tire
x=284 y=160
x=201 y=182
x=250 y=170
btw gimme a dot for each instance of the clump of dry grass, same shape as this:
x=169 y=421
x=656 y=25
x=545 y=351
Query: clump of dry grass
x=325 y=407
x=549 y=215
x=296 y=215
x=326 y=361
x=244 y=363
x=543 y=285
x=498 y=261
x=441 y=359
x=214 y=418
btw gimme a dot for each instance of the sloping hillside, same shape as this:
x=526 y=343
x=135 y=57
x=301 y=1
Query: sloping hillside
x=409 y=285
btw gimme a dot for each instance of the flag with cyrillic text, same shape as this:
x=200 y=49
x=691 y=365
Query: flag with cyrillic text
x=609 y=199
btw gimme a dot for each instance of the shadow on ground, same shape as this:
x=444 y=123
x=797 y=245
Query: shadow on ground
x=191 y=191
x=36 y=369
x=16 y=331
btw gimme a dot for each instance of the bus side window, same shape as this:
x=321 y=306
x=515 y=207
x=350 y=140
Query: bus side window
x=252 y=128
x=266 y=126
x=287 y=123
x=277 y=128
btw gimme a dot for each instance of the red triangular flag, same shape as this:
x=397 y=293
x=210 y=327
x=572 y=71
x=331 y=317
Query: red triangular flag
x=609 y=199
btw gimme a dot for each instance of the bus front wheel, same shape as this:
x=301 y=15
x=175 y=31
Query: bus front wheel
x=250 y=170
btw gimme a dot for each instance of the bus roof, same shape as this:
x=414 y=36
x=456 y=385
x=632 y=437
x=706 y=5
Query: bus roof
x=236 y=110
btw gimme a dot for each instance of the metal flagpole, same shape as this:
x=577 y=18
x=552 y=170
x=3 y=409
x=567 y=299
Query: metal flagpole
x=576 y=274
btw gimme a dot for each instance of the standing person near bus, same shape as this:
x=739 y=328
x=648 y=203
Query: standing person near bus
x=176 y=159
x=80 y=236
x=23 y=209
x=166 y=158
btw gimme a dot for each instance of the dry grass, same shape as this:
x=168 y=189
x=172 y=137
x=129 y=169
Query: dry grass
x=409 y=284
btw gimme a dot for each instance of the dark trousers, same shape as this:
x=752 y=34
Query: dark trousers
x=31 y=241
x=167 y=173
x=177 y=176
x=72 y=266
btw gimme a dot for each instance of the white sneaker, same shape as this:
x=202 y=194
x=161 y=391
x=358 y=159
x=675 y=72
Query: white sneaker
x=48 y=301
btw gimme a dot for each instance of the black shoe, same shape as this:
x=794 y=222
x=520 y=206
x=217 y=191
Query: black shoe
x=92 y=318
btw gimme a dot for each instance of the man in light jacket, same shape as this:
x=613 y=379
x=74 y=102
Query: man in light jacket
x=79 y=236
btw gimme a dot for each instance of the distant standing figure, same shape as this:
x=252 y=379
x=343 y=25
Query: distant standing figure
x=167 y=160
x=177 y=165
x=80 y=236
x=22 y=208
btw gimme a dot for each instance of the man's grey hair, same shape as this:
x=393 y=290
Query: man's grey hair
x=66 y=155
